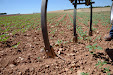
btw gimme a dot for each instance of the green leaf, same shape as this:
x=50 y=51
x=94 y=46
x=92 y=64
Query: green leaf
x=108 y=74
x=90 y=49
x=95 y=44
x=84 y=73
x=15 y=46
x=88 y=46
x=99 y=48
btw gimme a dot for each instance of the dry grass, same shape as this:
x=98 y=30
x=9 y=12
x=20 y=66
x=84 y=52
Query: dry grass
x=84 y=10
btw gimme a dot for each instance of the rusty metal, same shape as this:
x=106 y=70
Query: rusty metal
x=87 y=2
x=48 y=49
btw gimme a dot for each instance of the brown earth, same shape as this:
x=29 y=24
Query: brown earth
x=29 y=58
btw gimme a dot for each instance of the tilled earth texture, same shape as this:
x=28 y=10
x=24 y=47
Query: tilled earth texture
x=22 y=48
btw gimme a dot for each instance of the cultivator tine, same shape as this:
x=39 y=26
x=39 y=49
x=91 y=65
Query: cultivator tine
x=48 y=49
x=90 y=31
x=74 y=22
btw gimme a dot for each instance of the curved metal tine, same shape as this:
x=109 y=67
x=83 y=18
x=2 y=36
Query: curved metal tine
x=74 y=22
x=90 y=32
x=112 y=13
x=44 y=27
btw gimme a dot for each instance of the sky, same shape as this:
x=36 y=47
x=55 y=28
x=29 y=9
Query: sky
x=34 y=6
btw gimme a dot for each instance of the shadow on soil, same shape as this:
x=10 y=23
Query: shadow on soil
x=5 y=44
x=102 y=56
x=110 y=53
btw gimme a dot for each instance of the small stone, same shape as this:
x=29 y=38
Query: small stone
x=47 y=66
x=52 y=26
x=60 y=49
x=71 y=54
x=97 y=32
x=10 y=34
x=66 y=69
x=56 y=44
x=11 y=65
x=73 y=65
x=21 y=58
x=19 y=73
x=59 y=52
x=42 y=50
x=32 y=69
x=34 y=37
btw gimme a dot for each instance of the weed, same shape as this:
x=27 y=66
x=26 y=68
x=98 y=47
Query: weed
x=59 y=42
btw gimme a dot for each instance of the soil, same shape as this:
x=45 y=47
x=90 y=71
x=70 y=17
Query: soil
x=29 y=58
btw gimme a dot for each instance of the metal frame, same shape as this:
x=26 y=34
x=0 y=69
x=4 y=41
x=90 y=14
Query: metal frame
x=74 y=20
x=48 y=49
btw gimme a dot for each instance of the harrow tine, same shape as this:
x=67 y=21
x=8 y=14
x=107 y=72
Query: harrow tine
x=48 y=49
x=90 y=31
x=74 y=22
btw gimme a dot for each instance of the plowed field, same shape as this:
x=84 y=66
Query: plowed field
x=22 y=47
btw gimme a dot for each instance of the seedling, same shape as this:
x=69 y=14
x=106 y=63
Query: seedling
x=3 y=37
x=38 y=28
x=59 y=42
x=93 y=47
x=108 y=74
x=83 y=35
x=61 y=32
x=38 y=57
x=53 y=32
x=99 y=37
x=100 y=64
x=84 y=73
x=71 y=69
x=65 y=42
x=15 y=46
x=106 y=70
x=88 y=39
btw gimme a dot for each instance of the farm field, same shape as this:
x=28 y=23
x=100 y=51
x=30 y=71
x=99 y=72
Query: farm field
x=22 y=47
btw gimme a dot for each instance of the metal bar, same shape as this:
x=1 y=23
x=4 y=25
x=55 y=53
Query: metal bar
x=85 y=3
x=79 y=1
x=74 y=22
x=90 y=32
x=44 y=27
